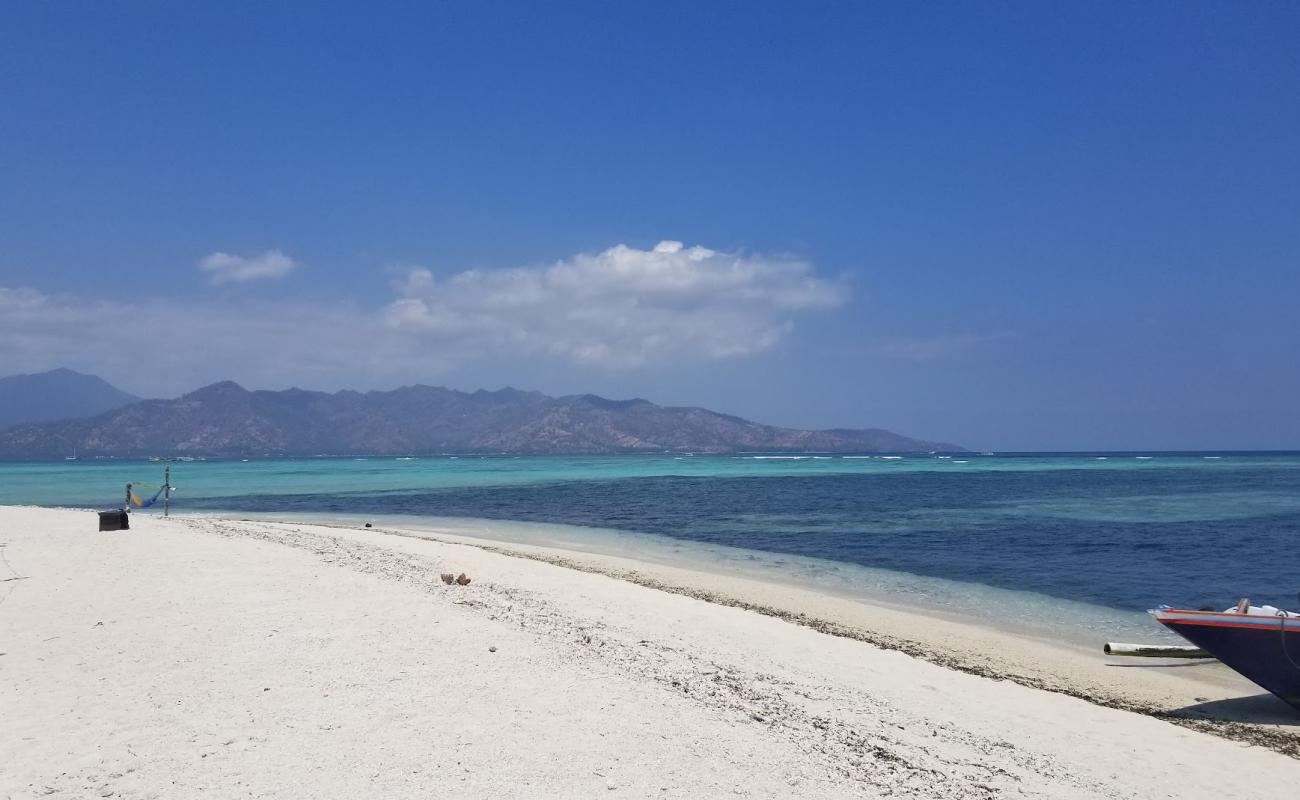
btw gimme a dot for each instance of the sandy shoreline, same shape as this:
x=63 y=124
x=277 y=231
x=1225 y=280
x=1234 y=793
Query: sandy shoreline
x=1201 y=694
x=225 y=658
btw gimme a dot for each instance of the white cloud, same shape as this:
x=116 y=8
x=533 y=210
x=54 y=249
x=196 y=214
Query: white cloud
x=226 y=268
x=619 y=308
x=161 y=347
x=622 y=307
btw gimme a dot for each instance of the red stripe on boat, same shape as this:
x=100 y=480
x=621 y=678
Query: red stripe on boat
x=1267 y=623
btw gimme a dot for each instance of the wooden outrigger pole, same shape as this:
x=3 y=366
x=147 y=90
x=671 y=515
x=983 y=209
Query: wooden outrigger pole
x=1154 y=650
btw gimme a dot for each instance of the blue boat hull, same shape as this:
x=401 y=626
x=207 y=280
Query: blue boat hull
x=1268 y=656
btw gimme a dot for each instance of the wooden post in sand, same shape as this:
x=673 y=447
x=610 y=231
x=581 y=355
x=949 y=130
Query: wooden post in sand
x=167 y=489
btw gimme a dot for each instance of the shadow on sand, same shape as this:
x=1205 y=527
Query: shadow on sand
x=1205 y=662
x=1260 y=709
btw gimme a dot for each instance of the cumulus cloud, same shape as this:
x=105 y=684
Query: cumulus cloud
x=227 y=268
x=619 y=308
x=622 y=307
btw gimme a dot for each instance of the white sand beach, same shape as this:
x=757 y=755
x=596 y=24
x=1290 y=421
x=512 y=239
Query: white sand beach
x=220 y=658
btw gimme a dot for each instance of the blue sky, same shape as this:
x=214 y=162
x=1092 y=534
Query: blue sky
x=1013 y=226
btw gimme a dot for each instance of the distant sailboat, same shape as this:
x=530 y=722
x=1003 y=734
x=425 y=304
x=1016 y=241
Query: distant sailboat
x=72 y=457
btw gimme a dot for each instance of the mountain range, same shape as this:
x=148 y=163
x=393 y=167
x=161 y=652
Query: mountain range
x=225 y=419
x=57 y=394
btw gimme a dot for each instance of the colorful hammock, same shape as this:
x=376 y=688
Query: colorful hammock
x=135 y=498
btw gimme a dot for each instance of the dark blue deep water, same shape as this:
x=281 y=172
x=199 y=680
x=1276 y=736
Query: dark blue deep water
x=1129 y=538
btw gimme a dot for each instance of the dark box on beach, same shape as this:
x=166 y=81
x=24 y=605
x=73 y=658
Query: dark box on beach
x=114 y=521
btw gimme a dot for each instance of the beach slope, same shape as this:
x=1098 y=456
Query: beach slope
x=217 y=658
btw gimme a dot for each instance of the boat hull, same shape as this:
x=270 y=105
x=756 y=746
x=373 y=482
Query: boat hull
x=1264 y=649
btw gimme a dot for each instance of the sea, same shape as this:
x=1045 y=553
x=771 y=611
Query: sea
x=1066 y=545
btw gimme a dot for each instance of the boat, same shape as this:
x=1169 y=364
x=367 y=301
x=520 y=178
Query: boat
x=1262 y=643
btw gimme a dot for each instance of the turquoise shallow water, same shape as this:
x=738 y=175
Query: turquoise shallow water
x=1109 y=533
